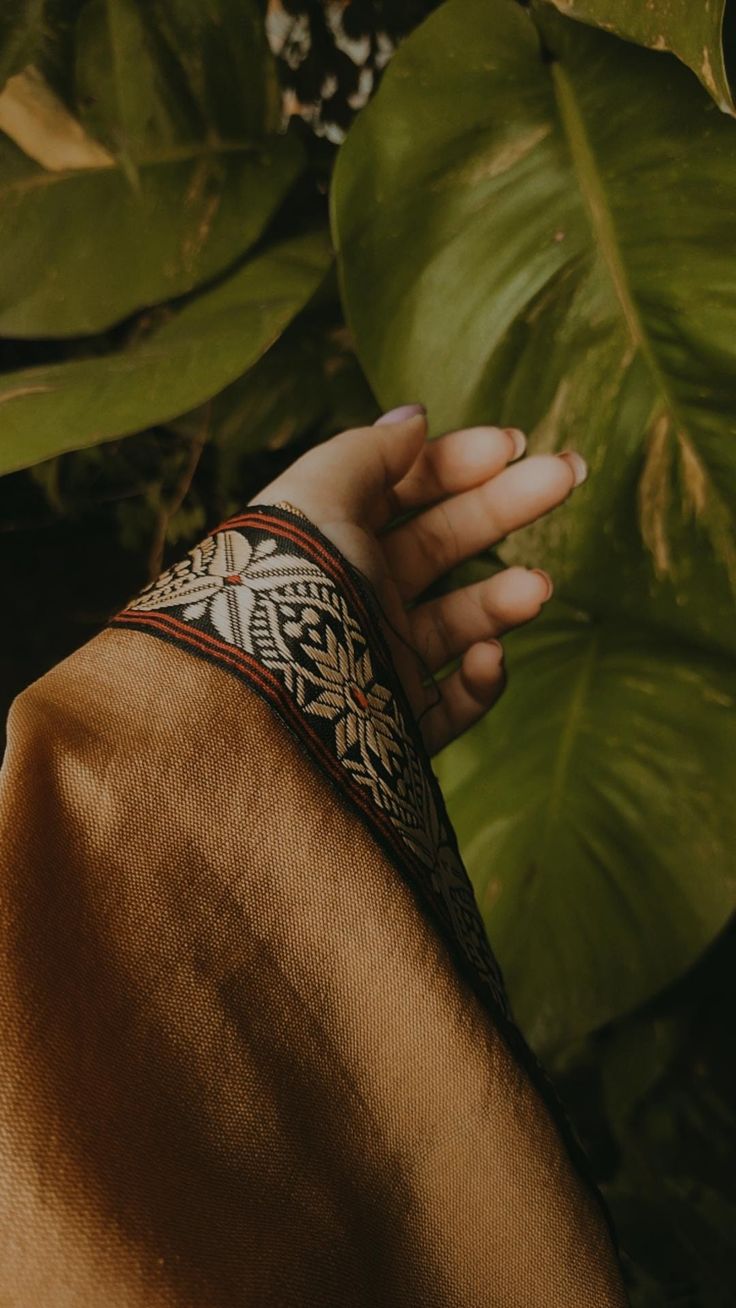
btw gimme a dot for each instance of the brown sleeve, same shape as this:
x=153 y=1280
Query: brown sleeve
x=255 y=1050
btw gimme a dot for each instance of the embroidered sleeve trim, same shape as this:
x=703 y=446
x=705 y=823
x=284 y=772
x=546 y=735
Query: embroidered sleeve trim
x=268 y=598
x=272 y=601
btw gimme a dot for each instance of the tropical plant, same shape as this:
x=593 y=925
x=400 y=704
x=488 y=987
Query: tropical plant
x=533 y=222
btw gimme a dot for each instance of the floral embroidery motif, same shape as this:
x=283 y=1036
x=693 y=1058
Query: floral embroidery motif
x=270 y=597
x=220 y=579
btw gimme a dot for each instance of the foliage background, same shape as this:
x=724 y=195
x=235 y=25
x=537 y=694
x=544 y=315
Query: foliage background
x=534 y=221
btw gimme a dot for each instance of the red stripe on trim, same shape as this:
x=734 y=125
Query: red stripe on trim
x=299 y=537
x=193 y=636
x=297 y=533
x=237 y=659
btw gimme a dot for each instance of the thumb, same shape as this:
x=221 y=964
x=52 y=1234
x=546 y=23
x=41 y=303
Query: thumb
x=367 y=462
x=349 y=478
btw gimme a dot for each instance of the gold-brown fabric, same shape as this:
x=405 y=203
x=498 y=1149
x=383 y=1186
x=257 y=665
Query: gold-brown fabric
x=239 y=1065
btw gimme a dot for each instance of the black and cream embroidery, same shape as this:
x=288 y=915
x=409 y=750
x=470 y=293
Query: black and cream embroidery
x=274 y=602
x=271 y=600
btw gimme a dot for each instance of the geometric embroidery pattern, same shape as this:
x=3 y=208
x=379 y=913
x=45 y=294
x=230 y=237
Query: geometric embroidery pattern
x=270 y=599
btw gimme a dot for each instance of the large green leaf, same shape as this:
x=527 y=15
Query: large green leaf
x=693 y=32
x=45 y=411
x=595 y=811
x=552 y=250
x=183 y=96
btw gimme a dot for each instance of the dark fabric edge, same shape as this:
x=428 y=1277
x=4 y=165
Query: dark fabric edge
x=510 y=1032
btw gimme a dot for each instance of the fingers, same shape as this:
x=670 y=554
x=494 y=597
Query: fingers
x=444 y=628
x=419 y=551
x=375 y=473
x=457 y=462
x=467 y=694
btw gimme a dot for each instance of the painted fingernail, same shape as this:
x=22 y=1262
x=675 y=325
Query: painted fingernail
x=518 y=439
x=538 y=572
x=577 y=463
x=403 y=412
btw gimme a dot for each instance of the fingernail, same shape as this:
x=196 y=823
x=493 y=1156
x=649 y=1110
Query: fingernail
x=403 y=412
x=496 y=644
x=519 y=440
x=577 y=463
x=538 y=572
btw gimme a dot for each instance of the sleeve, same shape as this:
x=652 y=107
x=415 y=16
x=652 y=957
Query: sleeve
x=256 y=1049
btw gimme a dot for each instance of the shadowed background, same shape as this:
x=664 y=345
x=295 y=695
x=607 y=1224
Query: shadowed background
x=230 y=230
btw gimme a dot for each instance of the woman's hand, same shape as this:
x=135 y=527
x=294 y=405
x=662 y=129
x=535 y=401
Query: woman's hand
x=467 y=492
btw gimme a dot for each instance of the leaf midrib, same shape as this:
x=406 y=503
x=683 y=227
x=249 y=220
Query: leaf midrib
x=604 y=234
x=171 y=155
x=604 y=230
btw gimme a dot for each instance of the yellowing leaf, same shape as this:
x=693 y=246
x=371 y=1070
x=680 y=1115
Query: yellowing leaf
x=40 y=124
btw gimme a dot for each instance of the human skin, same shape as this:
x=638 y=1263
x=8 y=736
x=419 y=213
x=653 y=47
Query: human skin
x=465 y=492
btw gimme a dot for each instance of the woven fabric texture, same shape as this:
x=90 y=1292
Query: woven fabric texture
x=240 y=1063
